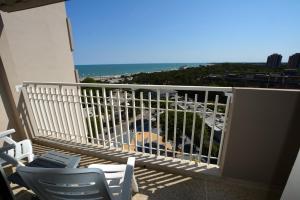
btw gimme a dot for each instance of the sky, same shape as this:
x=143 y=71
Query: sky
x=183 y=31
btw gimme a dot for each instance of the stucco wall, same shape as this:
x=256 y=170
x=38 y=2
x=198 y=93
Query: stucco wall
x=39 y=44
x=34 y=46
x=291 y=190
x=262 y=139
x=4 y=114
x=7 y=104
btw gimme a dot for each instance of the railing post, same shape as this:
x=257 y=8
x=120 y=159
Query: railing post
x=71 y=114
x=38 y=111
x=85 y=130
x=203 y=125
x=60 y=106
x=113 y=118
x=32 y=118
x=142 y=121
x=193 y=127
x=212 y=131
x=53 y=118
x=175 y=125
x=77 y=115
x=88 y=117
x=184 y=125
x=94 y=116
x=150 y=122
x=166 y=124
x=106 y=116
x=127 y=122
x=224 y=127
x=158 y=121
x=100 y=117
x=54 y=99
x=134 y=119
x=65 y=106
x=120 y=119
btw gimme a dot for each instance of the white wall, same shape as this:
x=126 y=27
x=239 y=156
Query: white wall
x=291 y=190
x=3 y=114
x=34 y=46
x=39 y=44
x=262 y=140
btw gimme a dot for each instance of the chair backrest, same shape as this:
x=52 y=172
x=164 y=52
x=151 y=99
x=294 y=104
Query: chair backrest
x=66 y=183
x=22 y=149
x=5 y=137
x=6 y=158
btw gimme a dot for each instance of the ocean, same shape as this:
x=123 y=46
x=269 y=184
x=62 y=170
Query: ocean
x=126 y=69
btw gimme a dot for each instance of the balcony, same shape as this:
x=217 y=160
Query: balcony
x=189 y=141
x=158 y=184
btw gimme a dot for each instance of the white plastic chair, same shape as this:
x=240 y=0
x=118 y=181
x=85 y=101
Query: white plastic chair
x=115 y=175
x=23 y=149
x=81 y=183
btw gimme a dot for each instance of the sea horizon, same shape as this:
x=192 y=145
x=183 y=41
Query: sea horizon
x=97 y=70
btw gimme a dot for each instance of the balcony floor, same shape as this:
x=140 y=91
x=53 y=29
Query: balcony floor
x=158 y=185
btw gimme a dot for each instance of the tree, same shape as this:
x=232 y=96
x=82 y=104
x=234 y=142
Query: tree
x=188 y=130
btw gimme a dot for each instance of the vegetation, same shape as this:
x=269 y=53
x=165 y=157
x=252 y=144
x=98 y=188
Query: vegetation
x=199 y=75
x=188 y=130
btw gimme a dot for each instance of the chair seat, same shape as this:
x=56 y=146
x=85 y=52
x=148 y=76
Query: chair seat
x=114 y=175
x=111 y=182
x=109 y=167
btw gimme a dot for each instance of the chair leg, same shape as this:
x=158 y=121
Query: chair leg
x=30 y=158
x=135 y=186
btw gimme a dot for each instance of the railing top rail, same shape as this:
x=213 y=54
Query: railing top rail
x=135 y=86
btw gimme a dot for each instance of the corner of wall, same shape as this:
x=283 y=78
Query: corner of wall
x=227 y=132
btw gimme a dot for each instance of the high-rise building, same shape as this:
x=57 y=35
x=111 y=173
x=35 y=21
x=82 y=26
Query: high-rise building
x=274 y=60
x=294 y=61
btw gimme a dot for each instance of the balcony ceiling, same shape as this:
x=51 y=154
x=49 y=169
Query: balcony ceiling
x=16 y=5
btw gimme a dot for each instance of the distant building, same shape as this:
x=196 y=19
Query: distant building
x=274 y=60
x=294 y=61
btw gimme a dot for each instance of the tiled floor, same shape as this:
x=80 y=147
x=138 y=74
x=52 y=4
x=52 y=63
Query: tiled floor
x=158 y=185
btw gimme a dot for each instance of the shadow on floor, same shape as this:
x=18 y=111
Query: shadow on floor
x=154 y=184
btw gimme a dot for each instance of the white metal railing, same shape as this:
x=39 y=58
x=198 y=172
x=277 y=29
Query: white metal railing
x=184 y=122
